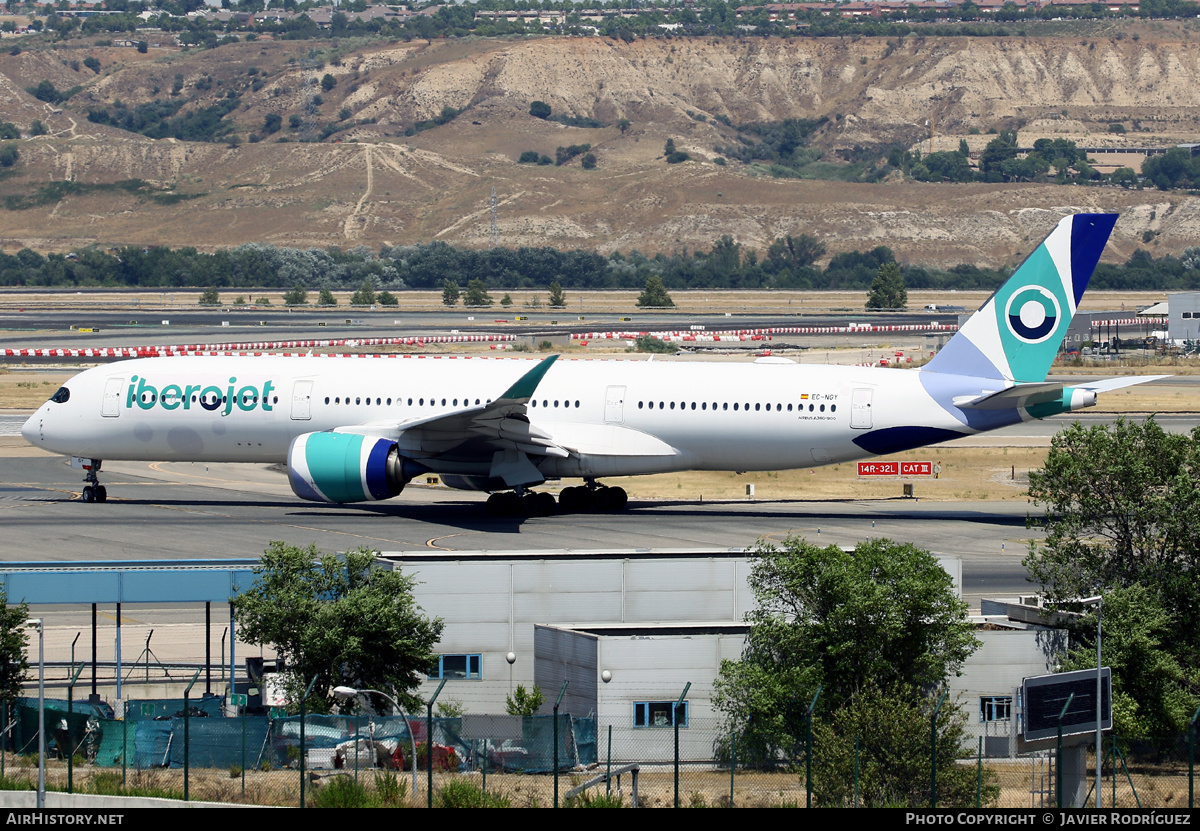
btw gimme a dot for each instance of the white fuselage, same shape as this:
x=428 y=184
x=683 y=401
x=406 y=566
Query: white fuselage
x=619 y=417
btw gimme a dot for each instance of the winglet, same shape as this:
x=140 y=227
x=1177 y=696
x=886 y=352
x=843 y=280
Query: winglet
x=523 y=389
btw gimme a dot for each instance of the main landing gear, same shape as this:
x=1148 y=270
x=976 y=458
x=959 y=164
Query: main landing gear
x=589 y=497
x=93 y=491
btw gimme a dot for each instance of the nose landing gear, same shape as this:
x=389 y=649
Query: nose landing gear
x=93 y=491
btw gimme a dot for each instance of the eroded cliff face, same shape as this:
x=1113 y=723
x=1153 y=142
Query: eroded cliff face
x=370 y=184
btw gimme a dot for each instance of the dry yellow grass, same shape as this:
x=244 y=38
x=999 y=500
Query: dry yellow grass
x=967 y=473
x=1022 y=785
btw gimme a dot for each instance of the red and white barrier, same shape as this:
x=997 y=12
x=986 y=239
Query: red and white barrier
x=245 y=348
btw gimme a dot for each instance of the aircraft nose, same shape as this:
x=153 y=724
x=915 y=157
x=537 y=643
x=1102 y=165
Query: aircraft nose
x=31 y=430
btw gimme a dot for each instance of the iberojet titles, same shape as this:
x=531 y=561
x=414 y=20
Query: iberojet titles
x=174 y=396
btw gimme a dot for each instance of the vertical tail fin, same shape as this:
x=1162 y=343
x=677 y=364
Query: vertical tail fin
x=1016 y=334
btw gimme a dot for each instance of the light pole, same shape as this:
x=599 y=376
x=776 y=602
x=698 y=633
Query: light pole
x=41 y=791
x=344 y=693
x=1098 y=602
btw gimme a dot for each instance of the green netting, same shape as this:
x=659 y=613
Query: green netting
x=217 y=743
x=162 y=708
x=63 y=729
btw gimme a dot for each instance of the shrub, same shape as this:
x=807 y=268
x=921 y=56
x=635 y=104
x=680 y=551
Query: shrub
x=460 y=794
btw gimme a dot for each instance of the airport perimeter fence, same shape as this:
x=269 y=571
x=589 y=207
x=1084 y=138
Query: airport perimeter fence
x=367 y=760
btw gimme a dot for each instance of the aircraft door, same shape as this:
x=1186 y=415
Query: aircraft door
x=614 y=405
x=860 y=409
x=302 y=401
x=110 y=405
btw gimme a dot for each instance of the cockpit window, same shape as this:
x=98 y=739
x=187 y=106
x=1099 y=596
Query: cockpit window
x=61 y=396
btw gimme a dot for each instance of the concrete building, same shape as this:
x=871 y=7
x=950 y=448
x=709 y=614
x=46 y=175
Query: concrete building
x=1183 y=318
x=629 y=629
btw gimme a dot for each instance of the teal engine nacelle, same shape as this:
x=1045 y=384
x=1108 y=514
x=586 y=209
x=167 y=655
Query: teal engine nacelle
x=347 y=467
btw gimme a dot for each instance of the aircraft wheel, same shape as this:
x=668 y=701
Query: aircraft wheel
x=574 y=499
x=620 y=499
x=611 y=500
x=497 y=504
x=89 y=493
x=101 y=493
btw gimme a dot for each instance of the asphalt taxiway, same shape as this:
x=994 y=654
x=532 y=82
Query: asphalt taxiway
x=159 y=511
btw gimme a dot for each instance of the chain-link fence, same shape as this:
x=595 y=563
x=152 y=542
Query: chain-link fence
x=368 y=760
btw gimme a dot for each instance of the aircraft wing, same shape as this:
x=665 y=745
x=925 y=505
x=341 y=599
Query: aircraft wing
x=502 y=423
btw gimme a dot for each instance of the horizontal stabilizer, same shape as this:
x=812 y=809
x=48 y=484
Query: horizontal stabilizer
x=1106 y=384
x=1021 y=395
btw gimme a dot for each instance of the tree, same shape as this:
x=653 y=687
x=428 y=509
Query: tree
x=1151 y=696
x=328 y=82
x=878 y=618
x=272 y=122
x=540 y=109
x=13 y=638
x=365 y=296
x=654 y=294
x=506 y=300
x=875 y=751
x=450 y=293
x=588 y=162
x=477 y=294
x=1123 y=510
x=210 y=297
x=386 y=298
x=525 y=702
x=1003 y=148
x=340 y=619
x=888 y=292
x=297 y=296
x=326 y=298
x=9 y=155
x=558 y=299
x=672 y=155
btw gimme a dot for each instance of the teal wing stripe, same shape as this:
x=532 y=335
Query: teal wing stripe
x=523 y=389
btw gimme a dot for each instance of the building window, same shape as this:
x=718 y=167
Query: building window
x=658 y=714
x=995 y=708
x=457 y=667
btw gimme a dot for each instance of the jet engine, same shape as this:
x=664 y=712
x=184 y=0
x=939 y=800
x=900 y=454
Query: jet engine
x=347 y=467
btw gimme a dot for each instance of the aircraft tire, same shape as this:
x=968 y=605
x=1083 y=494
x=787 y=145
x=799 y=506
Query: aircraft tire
x=615 y=499
x=575 y=499
x=89 y=493
x=101 y=493
x=610 y=500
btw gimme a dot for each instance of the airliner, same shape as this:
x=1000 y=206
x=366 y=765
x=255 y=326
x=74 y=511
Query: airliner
x=352 y=429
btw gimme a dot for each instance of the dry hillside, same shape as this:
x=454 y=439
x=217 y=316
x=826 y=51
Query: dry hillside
x=371 y=184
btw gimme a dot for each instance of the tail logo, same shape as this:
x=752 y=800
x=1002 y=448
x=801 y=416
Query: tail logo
x=1032 y=314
